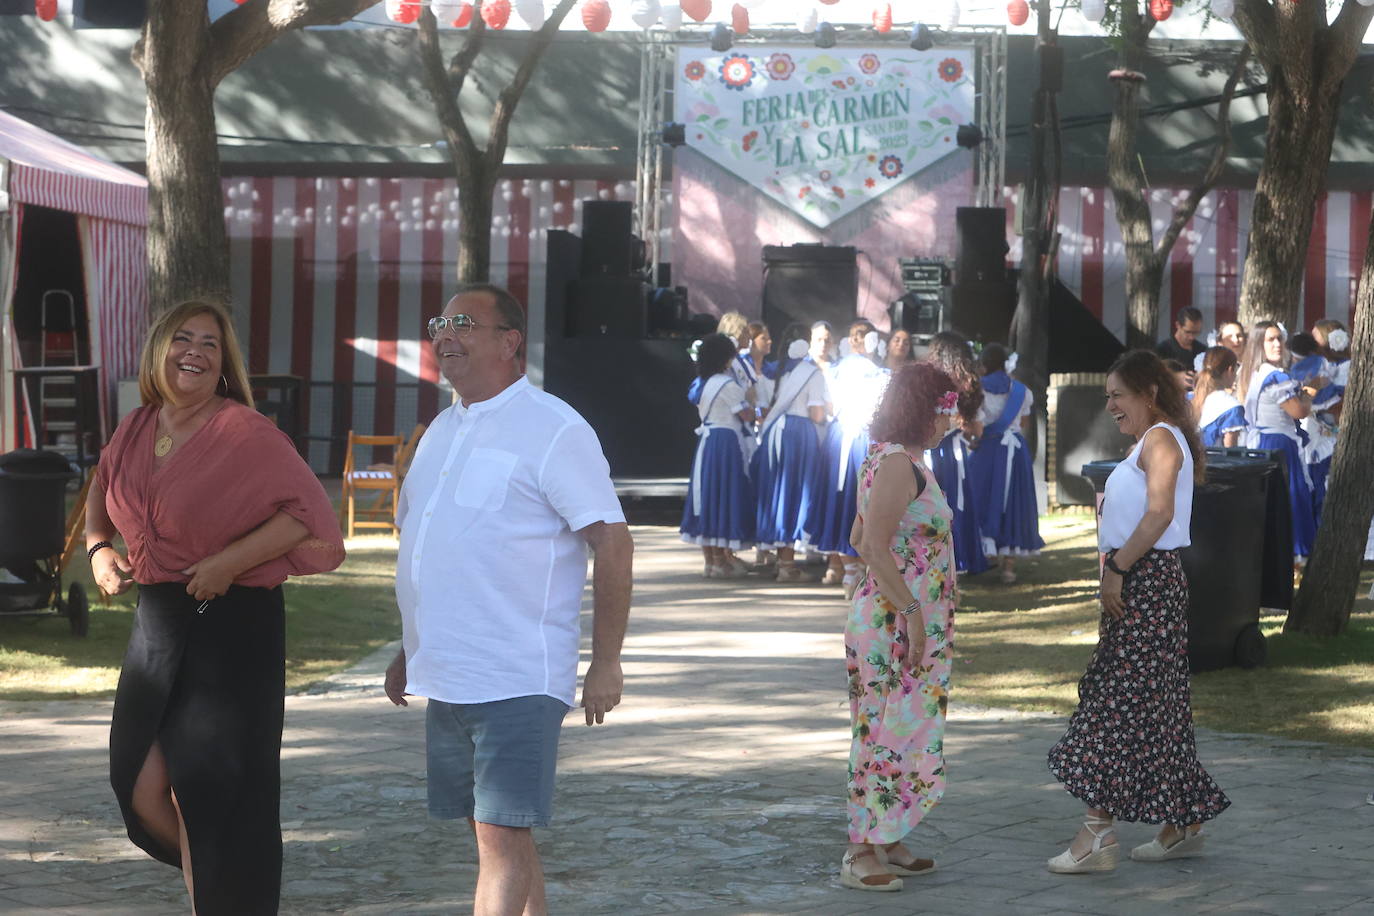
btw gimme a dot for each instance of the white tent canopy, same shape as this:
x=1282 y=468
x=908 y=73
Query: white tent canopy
x=110 y=204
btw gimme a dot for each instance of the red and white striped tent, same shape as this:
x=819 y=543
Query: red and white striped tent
x=110 y=203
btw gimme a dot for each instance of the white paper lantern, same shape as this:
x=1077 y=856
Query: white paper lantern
x=1094 y=10
x=951 y=15
x=445 y=11
x=1225 y=9
x=531 y=12
x=808 y=21
x=645 y=13
x=670 y=15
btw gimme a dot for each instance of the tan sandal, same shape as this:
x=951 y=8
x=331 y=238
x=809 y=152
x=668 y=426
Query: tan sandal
x=884 y=881
x=913 y=867
x=1098 y=858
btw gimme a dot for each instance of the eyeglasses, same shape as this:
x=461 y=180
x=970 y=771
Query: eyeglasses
x=461 y=325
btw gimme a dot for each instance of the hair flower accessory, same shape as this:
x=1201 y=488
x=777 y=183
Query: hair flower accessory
x=797 y=349
x=1338 y=340
x=1012 y=360
x=694 y=349
x=949 y=403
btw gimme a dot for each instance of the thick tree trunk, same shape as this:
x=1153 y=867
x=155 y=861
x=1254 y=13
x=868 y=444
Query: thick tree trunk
x=474 y=231
x=1328 y=588
x=1296 y=150
x=188 y=252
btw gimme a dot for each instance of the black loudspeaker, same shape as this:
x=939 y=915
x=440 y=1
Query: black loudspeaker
x=981 y=252
x=608 y=242
x=1078 y=341
x=1081 y=431
x=982 y=311
x=563 y=265
x=809 y=283
x=608 y=306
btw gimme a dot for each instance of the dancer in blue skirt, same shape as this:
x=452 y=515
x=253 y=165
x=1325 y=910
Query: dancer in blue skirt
x=788 y=463
x=1274 y=403
x=719 y=515
x=856 y=384
x=1220 y=417
x=950 y=459
x=1002 y=467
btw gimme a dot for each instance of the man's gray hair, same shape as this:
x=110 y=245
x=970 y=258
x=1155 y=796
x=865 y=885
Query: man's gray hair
x=507 y=306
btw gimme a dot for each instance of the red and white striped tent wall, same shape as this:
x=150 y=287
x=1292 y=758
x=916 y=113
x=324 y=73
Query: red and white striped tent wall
x=111 y=205
x=334 y=278
x=1204 y=268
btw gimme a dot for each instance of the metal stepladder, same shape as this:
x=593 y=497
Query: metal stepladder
x=60 y=346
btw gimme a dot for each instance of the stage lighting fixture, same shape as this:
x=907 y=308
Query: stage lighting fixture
x=825 y=35
x=675 y=134
x=721 y=38
x=968 y=136
x=921 y=39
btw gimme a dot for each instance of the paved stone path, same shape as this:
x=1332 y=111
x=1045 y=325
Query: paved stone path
x=716 y=788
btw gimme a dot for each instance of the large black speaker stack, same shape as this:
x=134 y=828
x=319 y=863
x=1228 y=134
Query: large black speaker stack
x=602 y=289
x=983 y=298
x=809 y=283
x=921 y=309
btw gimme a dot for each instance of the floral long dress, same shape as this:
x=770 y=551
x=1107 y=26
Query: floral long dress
x=896 y=756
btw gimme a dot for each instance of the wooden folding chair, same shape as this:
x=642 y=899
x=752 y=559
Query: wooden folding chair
x=381 y=513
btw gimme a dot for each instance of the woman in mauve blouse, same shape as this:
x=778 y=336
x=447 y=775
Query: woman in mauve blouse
x=216 y=509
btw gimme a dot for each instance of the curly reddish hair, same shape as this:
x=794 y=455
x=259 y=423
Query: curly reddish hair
x=907 y=413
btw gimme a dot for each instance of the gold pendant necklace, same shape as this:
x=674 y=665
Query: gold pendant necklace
x=162 y=446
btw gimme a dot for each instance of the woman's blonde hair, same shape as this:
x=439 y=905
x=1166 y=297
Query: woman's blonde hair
x=152 y=365
x=732 y=325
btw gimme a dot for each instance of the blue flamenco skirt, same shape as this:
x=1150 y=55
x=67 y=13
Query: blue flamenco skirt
x=1319 y=471
x=1008 y=513
x=839 y=501
x=720 y=506
x=944 y=459
x=787 y=472
x=1299 y=493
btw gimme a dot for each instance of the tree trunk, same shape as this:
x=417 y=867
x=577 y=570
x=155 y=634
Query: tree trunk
x=474 y=230
x=188 y=251
x=1296 y=150
x=1328 y=588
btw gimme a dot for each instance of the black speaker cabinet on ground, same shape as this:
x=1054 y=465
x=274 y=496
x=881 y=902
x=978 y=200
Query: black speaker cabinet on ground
x=981 y=252
x=809 y=283
x=607 y=237
x=563 y=265
x=608 y=306
x=982 y=311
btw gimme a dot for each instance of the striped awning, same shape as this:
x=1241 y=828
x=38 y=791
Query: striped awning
x=50 y=172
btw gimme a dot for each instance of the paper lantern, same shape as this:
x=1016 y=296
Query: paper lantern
x=1018 y=11
x=739 y=19
x=1161 y=9
x=403 y=11
x=496 y=13
x=697 y=9
x=1094 y=10
x=45 y=9
x=671 y=16
x=645 y=13
x=1225 y=9
x=445 y=11
x=464 y=17
x=596 y=15
x=882 y=17
x=952 y=15
x=808 y=21
x=531 y=12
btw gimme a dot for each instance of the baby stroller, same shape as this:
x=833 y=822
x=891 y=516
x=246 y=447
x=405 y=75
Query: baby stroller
x=36 y=538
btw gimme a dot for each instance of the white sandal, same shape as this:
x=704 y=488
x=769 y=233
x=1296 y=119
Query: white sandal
x=1187 y=846
x=883 y=881
x=1099 y=858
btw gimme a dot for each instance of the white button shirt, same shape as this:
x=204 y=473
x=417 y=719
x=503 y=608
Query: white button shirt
x=490 y=573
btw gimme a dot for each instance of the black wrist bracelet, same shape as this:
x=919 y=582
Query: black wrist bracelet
x=1110 y=563
x=96 y=548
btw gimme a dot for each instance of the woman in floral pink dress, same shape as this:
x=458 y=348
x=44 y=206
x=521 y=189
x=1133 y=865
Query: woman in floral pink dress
x=898 y=640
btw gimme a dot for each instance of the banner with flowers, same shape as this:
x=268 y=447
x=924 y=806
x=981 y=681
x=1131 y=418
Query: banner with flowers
x=824 y=131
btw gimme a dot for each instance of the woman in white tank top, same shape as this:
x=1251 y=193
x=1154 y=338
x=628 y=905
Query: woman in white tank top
x=1129 y=751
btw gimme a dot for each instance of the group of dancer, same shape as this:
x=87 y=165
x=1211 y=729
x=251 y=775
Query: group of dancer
x=1268 y=389
x=782 y=443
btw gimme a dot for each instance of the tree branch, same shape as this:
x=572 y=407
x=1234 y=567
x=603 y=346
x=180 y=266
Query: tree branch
x=1184 y=212
x=1339 y=45
x=443 y=95
x=473 y=42
x=247 y=29
x=1256 y=21
x=504 y=109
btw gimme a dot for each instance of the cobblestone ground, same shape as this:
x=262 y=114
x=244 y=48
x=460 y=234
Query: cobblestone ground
x=716 y=788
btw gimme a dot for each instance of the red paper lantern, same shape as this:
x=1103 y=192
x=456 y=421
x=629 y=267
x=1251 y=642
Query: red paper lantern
x=496 y=13
x=45 y=9
x=1018 y=11
x=596 y=15
x=739 y=20
x=464 y=17
x=697 y=9
x=403 y=11
x=1161 y=9
x=882 y=17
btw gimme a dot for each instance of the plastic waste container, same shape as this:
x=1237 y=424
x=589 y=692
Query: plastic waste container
x=33 y=515
x=1224 y=561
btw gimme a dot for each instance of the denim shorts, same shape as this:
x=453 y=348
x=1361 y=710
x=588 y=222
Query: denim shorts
x=493 y=762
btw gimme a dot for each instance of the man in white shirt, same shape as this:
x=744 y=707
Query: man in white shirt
x=507 y=489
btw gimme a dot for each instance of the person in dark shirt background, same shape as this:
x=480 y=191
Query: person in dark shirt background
x=1184 y=345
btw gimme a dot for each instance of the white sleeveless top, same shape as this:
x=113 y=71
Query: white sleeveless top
x=1124 y=502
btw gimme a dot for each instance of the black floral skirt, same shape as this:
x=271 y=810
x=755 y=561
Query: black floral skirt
x=1129 y=749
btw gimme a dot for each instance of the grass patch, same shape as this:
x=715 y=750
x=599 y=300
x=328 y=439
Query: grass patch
x=332 y=621
x=1025 y=647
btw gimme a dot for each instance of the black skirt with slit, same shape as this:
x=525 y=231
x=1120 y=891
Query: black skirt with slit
x=209 y=688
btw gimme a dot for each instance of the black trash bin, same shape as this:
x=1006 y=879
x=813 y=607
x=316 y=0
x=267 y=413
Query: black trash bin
x=1228 y=542
x=33 y=536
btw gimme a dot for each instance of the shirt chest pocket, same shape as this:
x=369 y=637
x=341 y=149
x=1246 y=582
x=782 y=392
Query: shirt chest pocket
x=485 y=479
